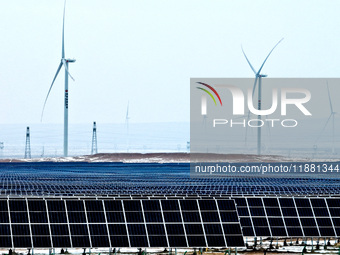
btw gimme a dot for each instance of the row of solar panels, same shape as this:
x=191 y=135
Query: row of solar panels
x=289 y=217
x=93 y=179
x=163 y=222
x=119 y=223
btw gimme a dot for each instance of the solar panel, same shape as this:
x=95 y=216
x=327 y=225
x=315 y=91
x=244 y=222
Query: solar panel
x=82 y=223
x=284 y=217
x=159 y=222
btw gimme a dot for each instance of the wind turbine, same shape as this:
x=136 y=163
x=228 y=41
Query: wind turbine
x=64 y=62
x=127 y=127
x=331 y=116
x=258 y=77
x=127 y=118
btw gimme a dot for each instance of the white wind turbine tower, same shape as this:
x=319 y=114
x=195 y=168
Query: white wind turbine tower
x=64 y=62
x=258 y=77
x=127 y=118
x=331 y=116
x=127 y=126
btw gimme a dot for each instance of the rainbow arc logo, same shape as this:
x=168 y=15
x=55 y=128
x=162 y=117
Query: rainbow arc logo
x=209 y=93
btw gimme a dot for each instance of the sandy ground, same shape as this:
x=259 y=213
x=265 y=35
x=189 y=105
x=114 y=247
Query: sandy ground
x=165 y=158
x=261 y=249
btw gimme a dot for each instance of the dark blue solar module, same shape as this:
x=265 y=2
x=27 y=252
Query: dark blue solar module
x=79 y=223
x=77 y=179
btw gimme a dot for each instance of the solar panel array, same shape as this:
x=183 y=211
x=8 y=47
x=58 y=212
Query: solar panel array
x=84 y=223
x=111 y=179
x=289 y=216
x=157 y=205
x=79 y=223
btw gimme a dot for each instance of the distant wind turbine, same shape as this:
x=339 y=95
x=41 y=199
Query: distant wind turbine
x=64 y=62
x=331 y=116
x=127 y=118
x=127 y=127
x=258 y=77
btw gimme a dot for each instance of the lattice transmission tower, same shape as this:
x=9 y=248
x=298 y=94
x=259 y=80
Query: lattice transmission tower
x=94 y=149
x=28 y=144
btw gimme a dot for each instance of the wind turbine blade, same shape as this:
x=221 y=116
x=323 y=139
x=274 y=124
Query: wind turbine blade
x=269 y=133
x=330 y=100
x=254 y=86
x=252 y=68
x=246 y=136
x=323 y=128
x=62 y=43
x=59 y=67
x=248 y=115
x=268 y=56
x=65 y=65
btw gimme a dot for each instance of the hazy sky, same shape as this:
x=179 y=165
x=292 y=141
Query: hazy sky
x=146 y=51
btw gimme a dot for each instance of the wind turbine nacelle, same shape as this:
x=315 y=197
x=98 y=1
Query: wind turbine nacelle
x=70 y=60
x=263 y=75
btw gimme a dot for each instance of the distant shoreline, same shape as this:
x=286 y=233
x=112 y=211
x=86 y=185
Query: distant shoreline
x=168 y=158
